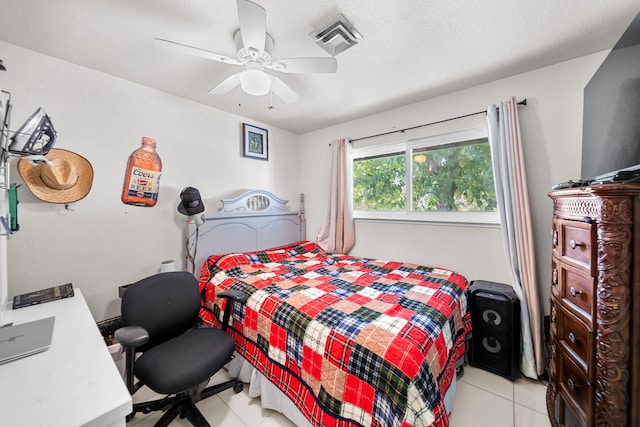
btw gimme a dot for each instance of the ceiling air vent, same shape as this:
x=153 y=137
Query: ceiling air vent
x=337 y=37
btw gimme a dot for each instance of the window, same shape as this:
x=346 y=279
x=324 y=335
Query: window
x=379 y=182
x=440 y=178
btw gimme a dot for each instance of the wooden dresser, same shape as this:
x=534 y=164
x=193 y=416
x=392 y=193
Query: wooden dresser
x=595 y=307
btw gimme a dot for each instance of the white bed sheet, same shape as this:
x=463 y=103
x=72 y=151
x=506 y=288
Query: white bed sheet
x=272 y=398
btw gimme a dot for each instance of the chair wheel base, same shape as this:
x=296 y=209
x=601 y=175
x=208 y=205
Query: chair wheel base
x=238 y=387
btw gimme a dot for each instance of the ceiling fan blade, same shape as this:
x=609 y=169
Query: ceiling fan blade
x=226 y=85
x=305 y=65
x=283 y=91
x=183 y=48
x=253 y=24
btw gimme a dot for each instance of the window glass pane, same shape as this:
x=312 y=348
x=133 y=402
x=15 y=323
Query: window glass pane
x=453 y=178
x=379 y=183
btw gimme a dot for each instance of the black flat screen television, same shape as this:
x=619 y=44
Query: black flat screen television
x=611 y=123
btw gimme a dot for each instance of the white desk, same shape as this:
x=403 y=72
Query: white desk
x=74 y=383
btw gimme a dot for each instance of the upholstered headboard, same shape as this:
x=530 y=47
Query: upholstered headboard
x=255 y=220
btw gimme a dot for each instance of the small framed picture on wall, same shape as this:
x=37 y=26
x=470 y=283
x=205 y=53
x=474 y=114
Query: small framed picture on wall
x=255 y=142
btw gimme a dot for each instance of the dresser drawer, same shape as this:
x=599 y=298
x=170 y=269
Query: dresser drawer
x=575 y=244
x=575 y=288
x=573 y=385
x=568 y=415
x=577 y=338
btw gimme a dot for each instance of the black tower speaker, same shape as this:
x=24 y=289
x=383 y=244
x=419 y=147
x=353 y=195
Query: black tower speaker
x=495 y=318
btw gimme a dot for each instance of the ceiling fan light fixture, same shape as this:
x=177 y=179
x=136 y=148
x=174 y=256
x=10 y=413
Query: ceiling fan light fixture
x=253 y=49
x=255 y=82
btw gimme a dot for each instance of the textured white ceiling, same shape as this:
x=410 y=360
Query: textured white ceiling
x=411 y=49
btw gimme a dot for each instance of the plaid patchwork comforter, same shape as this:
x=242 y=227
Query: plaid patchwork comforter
x=350 y=341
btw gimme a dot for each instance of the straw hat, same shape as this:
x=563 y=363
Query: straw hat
x=67 y=179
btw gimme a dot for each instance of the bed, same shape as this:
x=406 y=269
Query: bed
x=345 y=341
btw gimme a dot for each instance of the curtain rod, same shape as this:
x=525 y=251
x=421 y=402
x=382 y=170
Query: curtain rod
x=523 y=102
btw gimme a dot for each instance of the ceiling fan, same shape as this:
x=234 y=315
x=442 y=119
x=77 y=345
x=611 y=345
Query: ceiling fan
x=254 y=46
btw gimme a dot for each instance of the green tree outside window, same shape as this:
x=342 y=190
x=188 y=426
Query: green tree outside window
x=451 y=178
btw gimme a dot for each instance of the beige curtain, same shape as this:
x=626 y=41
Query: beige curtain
x=515 y=215
x=337 y=234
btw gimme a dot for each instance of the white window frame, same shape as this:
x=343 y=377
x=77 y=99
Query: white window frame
x=408 y=215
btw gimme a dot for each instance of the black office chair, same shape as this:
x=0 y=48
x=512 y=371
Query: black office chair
x=167 y=351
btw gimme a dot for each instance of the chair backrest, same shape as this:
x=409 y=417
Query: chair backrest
x=165 y=304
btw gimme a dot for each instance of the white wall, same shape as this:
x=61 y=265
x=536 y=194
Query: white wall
x=551 y=127
x=100 y=243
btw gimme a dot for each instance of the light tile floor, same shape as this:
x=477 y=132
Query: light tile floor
x=482 y=399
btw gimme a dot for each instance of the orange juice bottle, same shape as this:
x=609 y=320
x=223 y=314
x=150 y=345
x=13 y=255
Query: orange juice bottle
x=142 y=178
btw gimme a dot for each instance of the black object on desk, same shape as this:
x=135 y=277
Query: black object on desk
x=43 y=295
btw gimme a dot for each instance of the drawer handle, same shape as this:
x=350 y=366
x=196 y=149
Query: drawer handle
x=571 y=385
x=554 y=276
x=572 y=338
x=575 y=244
x=555 y=237
x=574 y=292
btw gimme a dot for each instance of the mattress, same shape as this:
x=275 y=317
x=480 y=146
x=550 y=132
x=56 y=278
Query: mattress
x=350 y=341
